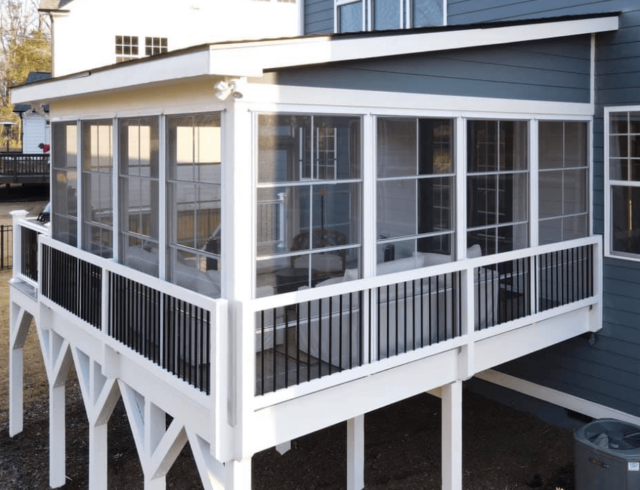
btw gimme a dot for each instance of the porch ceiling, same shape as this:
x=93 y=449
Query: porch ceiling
x=254 y=58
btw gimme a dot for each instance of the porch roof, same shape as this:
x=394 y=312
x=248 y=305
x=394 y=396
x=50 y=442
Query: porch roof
x=254 y=58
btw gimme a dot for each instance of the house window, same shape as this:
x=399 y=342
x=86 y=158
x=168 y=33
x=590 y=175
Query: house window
x=126 y=48
x=497 y=185
x=64 y=215
x=350 y=15
x=563 y=181
x=359 y=15
x=97 y=187
x=623 y=182
x=138 y=168
x=415 y=192
x=155 y=45
x=309 y=198
x=194 y=201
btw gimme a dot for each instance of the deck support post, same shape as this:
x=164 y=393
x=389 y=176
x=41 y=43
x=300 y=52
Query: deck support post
x=283 y=448
x=16 y=394
x=57 y=441
x=20 y=320
x=98 y=457
x=238 y=474
x=452 y=436
x=355 y=453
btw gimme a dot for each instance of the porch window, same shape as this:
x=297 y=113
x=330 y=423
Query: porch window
x=97 y=187
x=497 y=185
x=194 y=201
x=64 y=212
x=138 y=164
x=309 y=216
x=415 y=193
x=623 y=183
x=563 y=181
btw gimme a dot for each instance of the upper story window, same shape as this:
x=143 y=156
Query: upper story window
x=155 y=45
x=368 y=15
x=127 y=47
x=622 y=182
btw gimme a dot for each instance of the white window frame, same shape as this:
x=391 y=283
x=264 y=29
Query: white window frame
x=336 y=13
x=369 y=115
x=406 y=9
x=608 y=183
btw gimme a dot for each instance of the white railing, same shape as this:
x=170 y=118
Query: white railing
x=176 y=329
x=512 y=284
x=25 y=247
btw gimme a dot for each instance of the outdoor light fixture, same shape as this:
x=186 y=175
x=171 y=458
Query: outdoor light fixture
x=224 y=89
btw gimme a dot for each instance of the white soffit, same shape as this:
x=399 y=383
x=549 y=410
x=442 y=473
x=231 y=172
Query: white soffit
x=246 y=59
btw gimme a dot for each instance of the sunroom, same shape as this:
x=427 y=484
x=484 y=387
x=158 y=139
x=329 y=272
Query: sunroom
x=270 y=220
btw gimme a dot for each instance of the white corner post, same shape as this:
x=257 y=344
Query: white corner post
x=355 y=453
x=237 y=273
x=452 y=436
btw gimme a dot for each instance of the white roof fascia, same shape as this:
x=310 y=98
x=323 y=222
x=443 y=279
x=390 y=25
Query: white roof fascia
x=269 y=55
x=189 y=65
x=252 y=59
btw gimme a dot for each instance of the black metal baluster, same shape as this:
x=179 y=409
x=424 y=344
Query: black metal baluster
x=341 y=337
x=262 y=353
x=275 y=344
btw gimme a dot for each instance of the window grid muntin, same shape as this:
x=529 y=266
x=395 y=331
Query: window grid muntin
x=97 y=167
x=199 y=122
x=470 y=174
x=313 y=182
x=611 y=183
x=126 y=178
x=417 y=177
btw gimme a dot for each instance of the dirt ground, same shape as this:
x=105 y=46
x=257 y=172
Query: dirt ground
x=503 y=449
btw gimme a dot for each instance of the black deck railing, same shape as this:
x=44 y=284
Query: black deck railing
x=305 y=341
x=6 y=246
x=565 y=276
x=29 y=253
x=24 y=164
x=166 y=330
x=73 y=284
x=310 y=340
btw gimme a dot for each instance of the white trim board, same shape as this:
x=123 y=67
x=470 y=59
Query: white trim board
x=254 y=58
x=274 y=97
x=555 y=397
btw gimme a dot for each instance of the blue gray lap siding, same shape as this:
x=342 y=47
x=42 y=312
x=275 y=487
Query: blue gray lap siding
x=318 y=16
x=555 y=70
x=609 y=371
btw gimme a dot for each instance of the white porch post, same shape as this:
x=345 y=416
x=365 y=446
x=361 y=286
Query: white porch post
x=355 y=453
x=238 y=231
x=98 y=456
x=57 y=441
x=20 y=320
x=238 y=475
x=452 y=436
